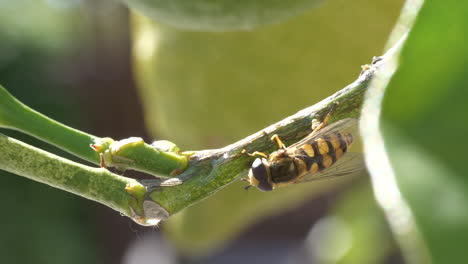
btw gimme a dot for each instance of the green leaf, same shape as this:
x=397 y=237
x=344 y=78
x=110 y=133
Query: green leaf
x=425 y=120
x=220 y=15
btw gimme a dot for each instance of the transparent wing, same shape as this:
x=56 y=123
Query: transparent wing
x=351 y=164
x=347 y=124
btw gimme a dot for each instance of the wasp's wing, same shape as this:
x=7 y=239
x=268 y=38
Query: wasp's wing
x=351 y=164
x=346 y=124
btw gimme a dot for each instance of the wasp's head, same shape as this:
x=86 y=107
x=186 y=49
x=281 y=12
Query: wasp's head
x=259 y=175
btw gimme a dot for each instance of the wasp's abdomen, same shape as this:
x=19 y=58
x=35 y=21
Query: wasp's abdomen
x=322 y=152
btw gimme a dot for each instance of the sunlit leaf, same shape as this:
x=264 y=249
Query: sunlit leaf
x=425 y=123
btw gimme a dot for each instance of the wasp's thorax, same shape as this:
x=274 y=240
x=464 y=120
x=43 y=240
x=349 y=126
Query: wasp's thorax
x=281 y=166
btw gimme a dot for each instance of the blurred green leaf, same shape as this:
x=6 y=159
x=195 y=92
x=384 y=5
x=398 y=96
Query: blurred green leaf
x=40 y=23
x=425 y=118
x=220 y=15
x=203 y=90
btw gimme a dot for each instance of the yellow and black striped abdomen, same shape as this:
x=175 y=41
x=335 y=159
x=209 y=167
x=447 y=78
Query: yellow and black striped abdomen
x=321 y=153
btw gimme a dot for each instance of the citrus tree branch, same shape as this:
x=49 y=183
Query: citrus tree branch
x=210 y=170
x=149 y=201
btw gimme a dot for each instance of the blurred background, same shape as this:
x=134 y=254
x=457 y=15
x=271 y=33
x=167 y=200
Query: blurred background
x=97 y=67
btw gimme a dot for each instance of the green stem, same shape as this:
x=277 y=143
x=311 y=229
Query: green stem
x=120 y=193
x=210 y=170
x=16 y=115
x=135 y=155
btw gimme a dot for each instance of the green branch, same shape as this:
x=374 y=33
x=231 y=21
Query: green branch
x=120 y=193
x=149 y=201
x=210 y=170
x=16 y=115
x=161 y=159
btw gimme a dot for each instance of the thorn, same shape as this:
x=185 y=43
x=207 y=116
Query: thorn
x=95 y=147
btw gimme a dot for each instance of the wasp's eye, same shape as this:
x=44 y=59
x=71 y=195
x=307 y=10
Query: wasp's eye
x=260 y=172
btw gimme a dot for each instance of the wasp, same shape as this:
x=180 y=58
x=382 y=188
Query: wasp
x=321 y=154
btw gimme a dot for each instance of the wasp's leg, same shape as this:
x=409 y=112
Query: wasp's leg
x=316 y=126
x=256 y=153
x=280 y=143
